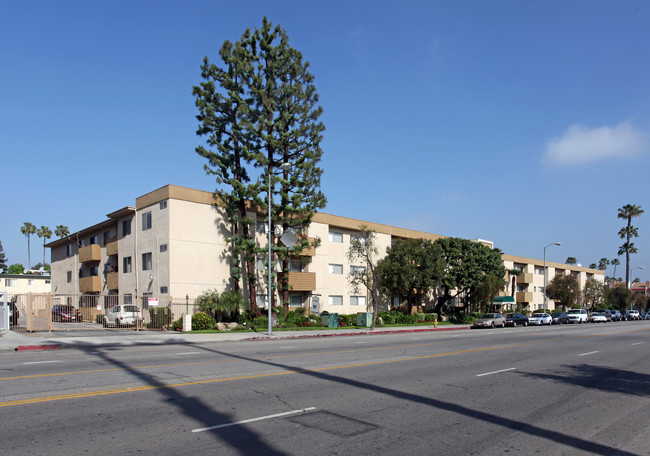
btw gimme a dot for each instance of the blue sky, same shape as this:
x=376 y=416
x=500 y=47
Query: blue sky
x=524 y=123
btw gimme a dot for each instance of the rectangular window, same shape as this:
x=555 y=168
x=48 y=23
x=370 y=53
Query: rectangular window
x=335 y=300
x=126 y=264
x=163 y=248
x=261 y=264
x=261 y=300
x=356 y=270
x=336 y=237
x=164 y=290
x=94 y=271
x=11 y=282
x=147 y=261
x=128 y=299
x=539 y=270
x=107 y=236
x=30 y=282
x=146 y=221
x=295 y=229
x=521 y=288
x=358 y=301
x=295 y=266
x=93 y=240
x=261 y=227
x=540 y=289
x=295 y=300
x=356 y=238
x=163 y=205
x=69 y=276
x=336 y=268
x=126 y=227
x=68 y=250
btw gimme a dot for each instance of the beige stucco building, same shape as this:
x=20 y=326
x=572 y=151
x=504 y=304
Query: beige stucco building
x=171 y=245
x=20 y=284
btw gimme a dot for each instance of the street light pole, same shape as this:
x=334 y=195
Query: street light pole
x=552 y=243
x=629 y=285
x=284 y=167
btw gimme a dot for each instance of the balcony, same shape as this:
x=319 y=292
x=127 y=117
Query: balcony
x=302 y=281
x=111 y=247
x=112 y=281
x=92 y=252
x=308 y=251
x=525 y=278
x=91 y=284
x=524 y=296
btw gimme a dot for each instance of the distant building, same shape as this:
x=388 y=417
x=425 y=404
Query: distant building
x=171 y=245
x=17 y=284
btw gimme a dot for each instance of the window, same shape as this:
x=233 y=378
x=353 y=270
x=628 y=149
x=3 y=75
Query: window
x=126 y=264
x=128 y=299
x=261 y=264
x=295 y=300
x=146 y=221
x=539 y=270
x=147 y=261
x=126 y=227
x=336 y=268
x=358 y=301
x=107 y=236
x=163 y=205
x=164 y=290
x=335 y=300
x=295 y=266
x=540 y=289
x=356 y=238
x=521 y=288
x=519 y=267
x=94 y=271
x=163 y=248
x=336 y=237
x=47 y=282
x=68 y=250
x=69 y=276
x=93 y=240
x=295 y=229
x=11 y=282
x=261 y=227
x=30 y=282
x=261 y=300
x=356 y=270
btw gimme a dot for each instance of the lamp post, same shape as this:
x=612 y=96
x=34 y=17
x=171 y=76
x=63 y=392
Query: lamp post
x=629 y=285
x=283 y=167
x=552 y=243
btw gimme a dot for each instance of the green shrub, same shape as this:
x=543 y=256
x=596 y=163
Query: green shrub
x=430 y=316
x=419 y=317
x=406 y=319
x=461 y=318
x=99 y=319
x=280 y=312
x=202 y=321
x=388 y=318
x=261 y=321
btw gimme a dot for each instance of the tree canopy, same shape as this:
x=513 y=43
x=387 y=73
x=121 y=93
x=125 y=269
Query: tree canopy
x=565 y=289
x=628 y=232
x=363 y=253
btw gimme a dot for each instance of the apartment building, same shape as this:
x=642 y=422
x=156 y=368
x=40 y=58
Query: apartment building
x=171 y=246
x=17 y=284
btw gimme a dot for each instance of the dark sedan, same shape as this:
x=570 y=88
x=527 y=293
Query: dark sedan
x=516 y=319
x=559 y=318
x=66 y=314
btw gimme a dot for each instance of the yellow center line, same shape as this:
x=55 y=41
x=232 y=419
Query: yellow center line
x=290 y=372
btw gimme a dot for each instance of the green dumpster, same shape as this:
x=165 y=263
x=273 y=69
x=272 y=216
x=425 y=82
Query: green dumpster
x=364 y=319
x=331 y=320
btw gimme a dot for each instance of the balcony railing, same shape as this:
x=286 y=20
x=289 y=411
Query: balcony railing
x=524 y=296
x=91 y=284
x=302 y=281
x=111 y=247
x=525 y=278
x=92 y=252
x=112 y=281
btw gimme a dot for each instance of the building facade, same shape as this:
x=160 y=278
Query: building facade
x=171 y=246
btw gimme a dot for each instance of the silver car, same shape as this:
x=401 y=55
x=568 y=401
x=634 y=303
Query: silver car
x=490 y=320
x=540 y=318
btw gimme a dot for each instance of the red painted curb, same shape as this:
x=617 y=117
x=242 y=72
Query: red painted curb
x=38 y=347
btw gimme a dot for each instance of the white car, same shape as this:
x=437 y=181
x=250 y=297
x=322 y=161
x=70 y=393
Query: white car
x=578 y=316
x=540 y=318
x=634 y=314
x=598 y=317
x=128 y=315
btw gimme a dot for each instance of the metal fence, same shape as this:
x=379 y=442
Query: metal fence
x=49 y=312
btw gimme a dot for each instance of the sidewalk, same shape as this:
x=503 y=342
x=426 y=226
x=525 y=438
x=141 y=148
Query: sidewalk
x=11 y=340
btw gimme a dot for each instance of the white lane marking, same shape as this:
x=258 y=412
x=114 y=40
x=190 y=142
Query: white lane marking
x=636 y=343
x=288 y=346
x=590 y=353
x=188 y=353
x=496 y=372
x=41 y=362
x=361 y=342
x=416 y=338
x=267 y=417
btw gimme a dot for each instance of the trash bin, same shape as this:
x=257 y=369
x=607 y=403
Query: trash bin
x=364 y=319
x=331 y=320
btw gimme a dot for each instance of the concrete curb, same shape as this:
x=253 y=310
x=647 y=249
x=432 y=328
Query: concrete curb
x=358 y=333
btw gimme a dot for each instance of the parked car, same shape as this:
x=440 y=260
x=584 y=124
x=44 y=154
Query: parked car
x=647 y=316
x=540 y=318
x=490 y=320
x=634 y=314
x=127 y=315
x=625 y=315
x=616 y=315
x=606 y=312
x=66 y=314
x=598 y=317
x=578 y=315
x=559 y=318
x=516 y=319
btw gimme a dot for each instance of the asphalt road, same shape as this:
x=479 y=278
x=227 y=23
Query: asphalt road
x=579 y=389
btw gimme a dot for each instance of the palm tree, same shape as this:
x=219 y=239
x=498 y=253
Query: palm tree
x=628 y=212
x=44 y=233
x=28 y=229
x=512 y=278
x=62 y=231
x=615 y=262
